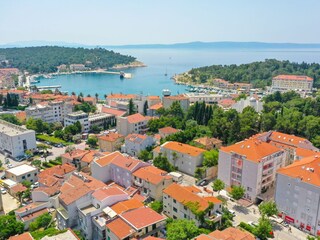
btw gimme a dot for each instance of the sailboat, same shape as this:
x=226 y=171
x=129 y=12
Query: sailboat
x=166 y=73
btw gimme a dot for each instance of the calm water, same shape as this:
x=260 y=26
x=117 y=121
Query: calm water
x=151 y=80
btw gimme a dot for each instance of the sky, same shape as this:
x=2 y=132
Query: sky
x=121 y=22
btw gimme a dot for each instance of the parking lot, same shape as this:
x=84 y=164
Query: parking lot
x=9 y=203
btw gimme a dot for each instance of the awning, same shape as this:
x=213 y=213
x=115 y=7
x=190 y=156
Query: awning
x=289 y=219
x=308 y=228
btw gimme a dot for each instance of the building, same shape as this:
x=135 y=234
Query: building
x=283 y=83
x=77 y=67
x=136 y=223
x=183 y=156
x=252 y=164
x=152 y=111
x=208 y=143
x=298 y=194
x=23 y=236
x=113 y=111
x=153 y=100
x=6 y=77
x=226 y=103
x=152 y=180
x=116 y=167
x=110 y=142
x=202 y=97
x=248 y=102
x=181 y=202
x=229 y=233
x=167 y=131
x=135 y=143
x=167 y=101
x=68 y=235
x=22 y=173
x=90 y=100
x=102 y=120
x=15 y=140
x=79 y=116
x=135 y=123
x=49 y=112
x=119 y=97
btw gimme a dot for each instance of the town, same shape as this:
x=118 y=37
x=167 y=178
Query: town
x=187 y=166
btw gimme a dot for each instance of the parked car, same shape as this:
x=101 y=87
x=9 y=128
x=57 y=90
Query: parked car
x=254 y=224
x=3 y=191
x=232 y=212
x=10 y=165
x=3 y=177
x=202 y=183
x=35 y=185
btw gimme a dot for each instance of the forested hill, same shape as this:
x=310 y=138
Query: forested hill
x=46 y=59
x=259 y=74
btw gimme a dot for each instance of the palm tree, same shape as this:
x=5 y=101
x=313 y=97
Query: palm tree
x=97 y=95
x=105 y=96
x=73 y=93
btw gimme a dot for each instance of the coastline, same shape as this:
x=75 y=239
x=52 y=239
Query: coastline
x=130 y=65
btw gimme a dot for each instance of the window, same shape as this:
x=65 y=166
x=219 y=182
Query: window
x=175 y=210
x=175 y=201
x=23 y=177
x=28 y=175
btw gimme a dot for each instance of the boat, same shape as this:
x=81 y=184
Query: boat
x=166 y=92
x=122 y=75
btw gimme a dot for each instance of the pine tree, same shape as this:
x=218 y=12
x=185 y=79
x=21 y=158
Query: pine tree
x=145 y=108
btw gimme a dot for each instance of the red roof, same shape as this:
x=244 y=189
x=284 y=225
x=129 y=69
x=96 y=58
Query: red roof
x=120 y=228
x=126 y=205
x=156 y=106
x=168 y=130
x=293 y=77
x=115 y=112
x=142 y=217
x=111 y=137
x=57 y=171
x=152 y=174
x=135 y=118
x=226 y=102
x=34 y=215
x=106 y=160
x=18 y=188
x=183 y=148
x=133 y=137
x=23 y=236
x=103 y=193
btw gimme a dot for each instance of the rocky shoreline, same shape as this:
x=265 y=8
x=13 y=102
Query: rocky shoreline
x=130 y=65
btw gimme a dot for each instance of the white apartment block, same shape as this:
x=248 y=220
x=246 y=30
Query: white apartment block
x=201 y=97
x=283 y=83
x=80 y=116
x=15 y=140
x=249 y=102
x=49 y=112
x=251 y=164
x=135 y=143
x=22 y=173
x=135 y=123
x=101 y=120
x=183 y=156
x=298 y=194
x=167 y=101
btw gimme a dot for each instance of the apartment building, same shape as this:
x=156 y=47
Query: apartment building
x=79 y=116
x=151 y=180
x=135 y=123
x=230 y=233
x=252 y=164
x=297 y=194
x=49 y=112
x=15 y=140
x=135 y=143
x=183 y=156
x=283 y=83
x=184 y=101
x=102 y=120
x=248 y=102
x=110 y=142
x=77 y=67
x=179 y=202
x=22 y=173
x=202 y=97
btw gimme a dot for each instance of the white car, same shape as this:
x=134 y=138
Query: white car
x=35 y=185
x=10 y=165
x=3 y=190
x=254 y=224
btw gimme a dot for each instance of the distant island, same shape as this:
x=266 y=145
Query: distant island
x=259 y=74
x=50 y=59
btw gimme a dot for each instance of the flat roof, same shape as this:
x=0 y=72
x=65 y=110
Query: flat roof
x=12 y=129
x=10 y=183
x=22 y=169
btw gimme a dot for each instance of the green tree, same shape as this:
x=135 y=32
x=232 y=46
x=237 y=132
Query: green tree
x=26 y=183
x=237 y=192
x=264 y=229
x=42 y=221
x=157 y=206
x=176 y=110
x=268 y=208
x=92 y=141
x=210 y=158
x=145 y=108
x=218 y=185
x=182 y=229
x=132 y=109
x=145 y=155
x=163 y=163
x=10 y=118
x=9 y=226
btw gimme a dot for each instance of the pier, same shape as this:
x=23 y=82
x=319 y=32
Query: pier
x=40 y=88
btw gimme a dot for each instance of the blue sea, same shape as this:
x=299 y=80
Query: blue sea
x=151 y=80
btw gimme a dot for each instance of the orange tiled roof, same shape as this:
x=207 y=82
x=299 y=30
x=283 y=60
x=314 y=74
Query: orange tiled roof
x=253 y=149
x=177 y=97
x=301 y=152
x=168 y=130
x=205 y=237
x=206 y=141
x=135 y=118
x=124 y=206
x=183 y=148
x=232 y=233
x=120 y=228
x=142 y=217
x=23 y=236
x=152 y=174
x=156 y=106
x=293 y=77
x=18 y=188
x=111 y=137
x=152 y=238
x=76 y=187
x=226 y=102
x=184 y=196
x=57 y=171
x=106 y=160
x=287 y=138
x=128 y=163
x=103 y=193
x=306 y=169
x=121 y=96
x=89 y=99
x=34 y=215
x=133 y=137
x=153 y=97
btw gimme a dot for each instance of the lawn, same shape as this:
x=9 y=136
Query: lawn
x=51 y=139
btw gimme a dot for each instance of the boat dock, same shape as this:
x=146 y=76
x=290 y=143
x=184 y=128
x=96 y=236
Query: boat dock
x=40 y=88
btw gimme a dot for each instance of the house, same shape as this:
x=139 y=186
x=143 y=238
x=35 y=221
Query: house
x=252 y=164
x=23 y=236
x=116 y=167
x=77 y=67
x=183 y=156
x=153 y=100
x=17 y=189
x=120 y=97
x=22 y=173
x=134 y=143
x=203 y=97
x=126 y=205
x=110 y=142
x=208 y=143
x=135 y=223
x=90 y=100
x=297 y=194
x=79 y=116
x=167 y=131
x=184 y=202
x=152 y=110
x=68 y=235
x=152 y=180
x=229 y=233
x=248 y=102
x=15 y=140
x=226 y=103
x=283 y=83
x=184 y=102
x=135 y=123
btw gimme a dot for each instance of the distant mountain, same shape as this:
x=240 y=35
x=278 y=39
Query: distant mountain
x=194 y=45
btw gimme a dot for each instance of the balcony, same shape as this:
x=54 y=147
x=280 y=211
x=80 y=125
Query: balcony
x=138 y=183
x=216 y=217
x=63 y=213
